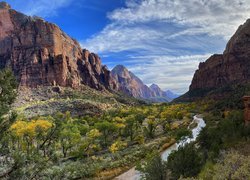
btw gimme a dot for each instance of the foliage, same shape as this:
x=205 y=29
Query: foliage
x=117 y=145
x=182 y=133
x=154 y=168
x=8 y=93
x=231 y=166
x=186 y=162
x=61 y=143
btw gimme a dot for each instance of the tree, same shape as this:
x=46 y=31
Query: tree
x=30 y=133
x=120 y=124
x=231 y=165
x=130 y=125
x=187 y=161
x=117 y=145
x=106 y=128
x=154 y=169
x=69 y=137
x=183 y=133
x=8 y=94
x=151 y=126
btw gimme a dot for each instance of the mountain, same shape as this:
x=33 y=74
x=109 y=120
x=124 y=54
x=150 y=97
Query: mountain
x=171 y=95
x=159 y=94
x=157 y=90
x=224 y=70
x=130 y=84
x=41 y=54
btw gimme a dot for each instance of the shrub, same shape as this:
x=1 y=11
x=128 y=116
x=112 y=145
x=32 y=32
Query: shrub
x=186 y=162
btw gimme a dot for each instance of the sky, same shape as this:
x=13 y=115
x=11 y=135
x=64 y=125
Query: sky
x=161 y=41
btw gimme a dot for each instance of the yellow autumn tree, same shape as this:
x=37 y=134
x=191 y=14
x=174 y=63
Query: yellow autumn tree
x=28 y=132
x=117 y=145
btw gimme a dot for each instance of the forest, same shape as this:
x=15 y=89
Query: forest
x=66 y=147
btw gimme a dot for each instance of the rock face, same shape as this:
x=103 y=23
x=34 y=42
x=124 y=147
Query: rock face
x=130 y=84
x=231 y=67
x=41 y=54
x=157 y=90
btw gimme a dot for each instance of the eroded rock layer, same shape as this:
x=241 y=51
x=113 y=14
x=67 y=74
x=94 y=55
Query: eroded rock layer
x=40 y=54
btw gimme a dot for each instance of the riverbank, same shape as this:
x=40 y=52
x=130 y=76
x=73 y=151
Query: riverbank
x=133 y=174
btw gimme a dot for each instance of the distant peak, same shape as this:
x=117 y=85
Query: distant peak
x=154 y=86
x=4 y=5
x=119 y=68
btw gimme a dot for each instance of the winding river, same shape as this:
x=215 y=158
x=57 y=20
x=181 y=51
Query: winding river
x=133 y=174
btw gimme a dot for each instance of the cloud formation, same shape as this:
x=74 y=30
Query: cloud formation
x=165 y=31
x=216 y=17
x=170 y=72
x=43 y=8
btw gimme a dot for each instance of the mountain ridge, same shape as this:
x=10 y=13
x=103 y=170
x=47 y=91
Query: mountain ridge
x=130 y=84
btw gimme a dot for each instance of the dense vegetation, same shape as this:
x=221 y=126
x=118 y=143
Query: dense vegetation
x=63 y=146
x=216 y=154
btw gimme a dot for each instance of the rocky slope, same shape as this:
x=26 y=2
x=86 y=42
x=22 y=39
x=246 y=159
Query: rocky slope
x=41 y=54
x=157 y=90
x=231 y=67
x=130 y=84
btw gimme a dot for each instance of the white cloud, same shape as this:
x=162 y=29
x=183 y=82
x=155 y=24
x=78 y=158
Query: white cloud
x=158 y=30
x=216 y=17
x=132 y=26
x=116 y=38
x=172 y=73
x=43 y=8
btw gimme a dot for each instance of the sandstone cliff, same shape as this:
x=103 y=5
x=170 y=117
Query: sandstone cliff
x=231 y=67
x=41 y=54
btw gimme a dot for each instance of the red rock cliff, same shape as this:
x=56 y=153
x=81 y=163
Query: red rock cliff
x=40 y=53
x=233 y=66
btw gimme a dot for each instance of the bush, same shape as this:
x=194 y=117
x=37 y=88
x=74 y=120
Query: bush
x=154 y=169
x=186 y=162
x=232 y=166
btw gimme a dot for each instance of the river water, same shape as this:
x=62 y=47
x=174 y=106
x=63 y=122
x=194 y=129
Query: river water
x=132 y=174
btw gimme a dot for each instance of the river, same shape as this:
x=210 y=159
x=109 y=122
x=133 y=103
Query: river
x=133 y=174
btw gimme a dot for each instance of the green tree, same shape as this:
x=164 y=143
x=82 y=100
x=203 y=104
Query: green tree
x=130 y=126
x=187 y=161
x=8 y=94
x=151 y=126
x=106 y=128
x=154 y=168
x=182 y=133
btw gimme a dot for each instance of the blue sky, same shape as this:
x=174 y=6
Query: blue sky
x=161 y=41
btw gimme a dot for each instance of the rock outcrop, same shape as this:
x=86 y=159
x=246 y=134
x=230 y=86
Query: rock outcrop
x=231 y=67
x=41 y=54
